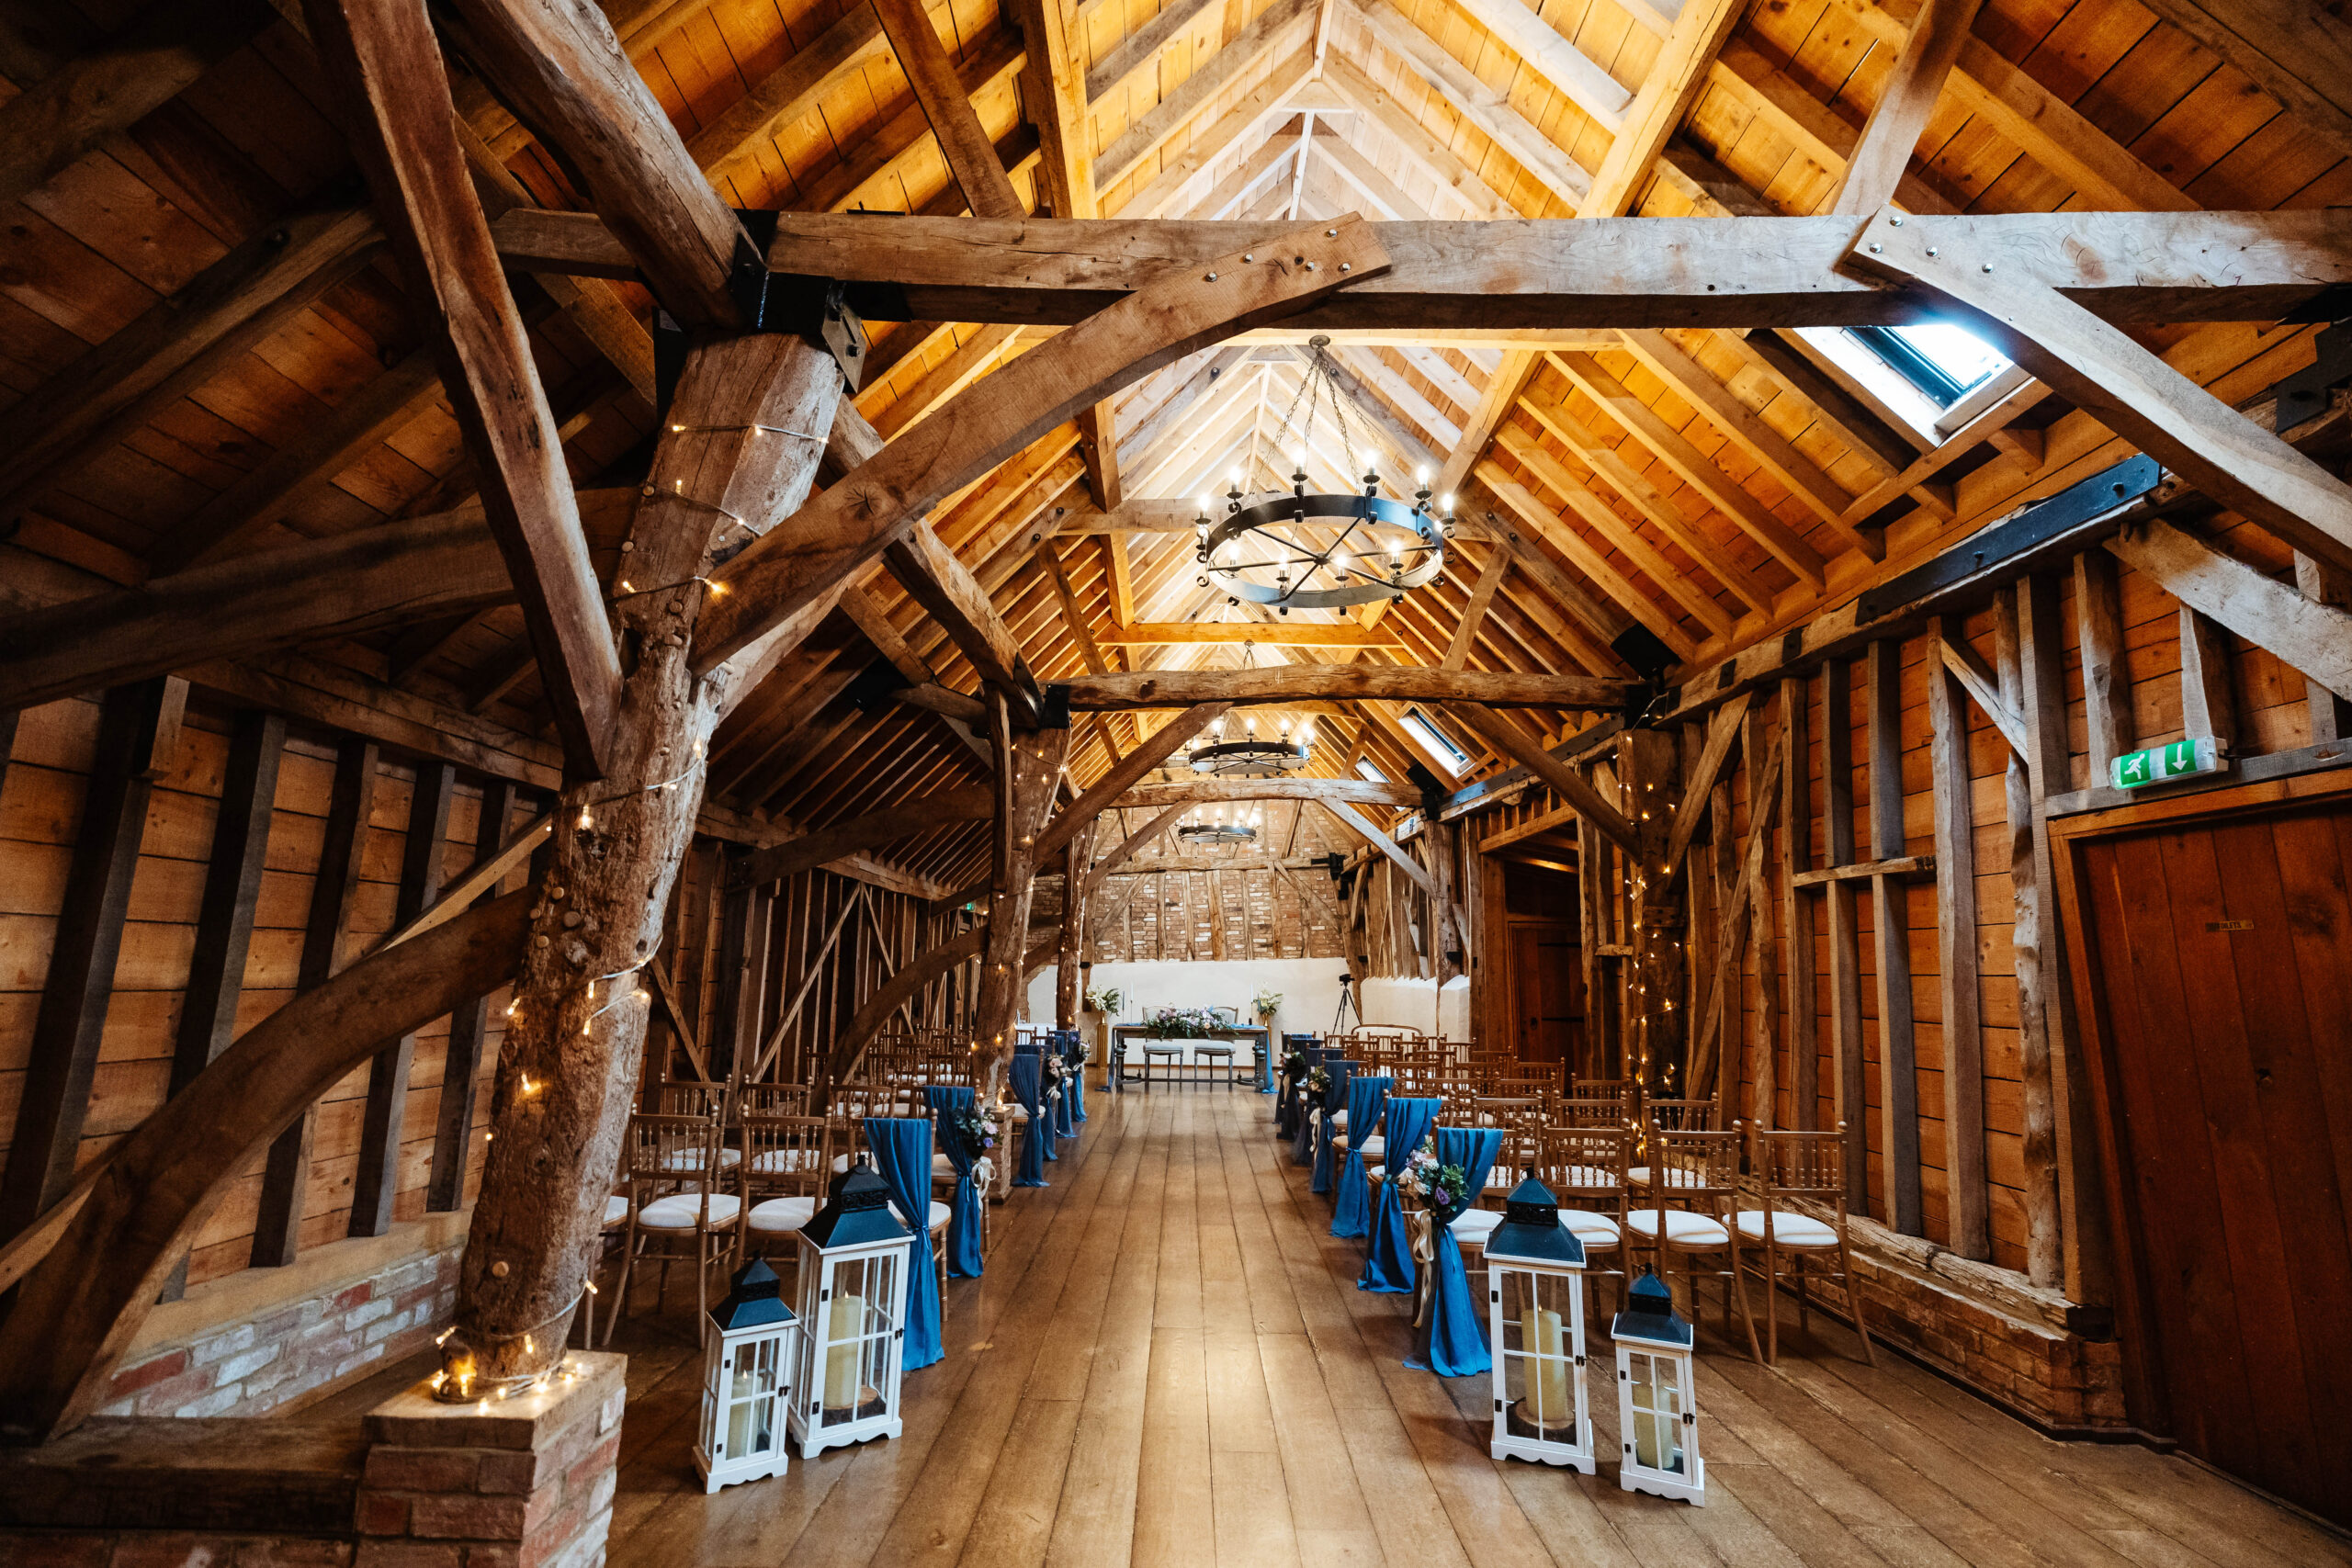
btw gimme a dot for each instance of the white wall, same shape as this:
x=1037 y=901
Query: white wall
x=1310 y=988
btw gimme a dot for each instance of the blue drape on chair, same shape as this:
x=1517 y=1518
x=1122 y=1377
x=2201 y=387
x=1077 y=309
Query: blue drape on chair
x=1047 y=1111
x=1352 y=1210
x=1302 y=1148
x=1457 y=1342
x=1390 y=1265
x=901 y=1146
x=1025 y=1072
x=1341 y=1071
x=964 y=1209
x=1074 y=1053
x=1065 y=1114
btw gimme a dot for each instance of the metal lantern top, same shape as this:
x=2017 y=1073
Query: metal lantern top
x=1649 y=1317
x=754 y=1301
x=1532 y=1232
x=1381 y=549
x=856 y=1213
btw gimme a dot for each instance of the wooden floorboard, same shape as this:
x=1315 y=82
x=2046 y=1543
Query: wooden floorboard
x=1168 y=1364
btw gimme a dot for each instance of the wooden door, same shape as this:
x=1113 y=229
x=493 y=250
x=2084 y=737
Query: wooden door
x=1547 y=990
x=2218 y=957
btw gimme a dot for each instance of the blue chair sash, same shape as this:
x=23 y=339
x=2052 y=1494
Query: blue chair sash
x=1341 y=1069
x=1076 y=1057
x=1389 y=1266
x=1457 y=1335
x=1302 y=1148
x=1025 y=1074
x=963 y=1259
x=1351 y=1211
x=901 y=1146
x=1065 y=1112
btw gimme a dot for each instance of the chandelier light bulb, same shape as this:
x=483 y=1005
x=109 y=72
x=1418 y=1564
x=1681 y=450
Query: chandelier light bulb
x=1249 y=726
x=1421 y=475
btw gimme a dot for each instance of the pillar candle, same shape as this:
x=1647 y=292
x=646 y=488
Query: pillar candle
x=842 y=1327
x=1540 y=1337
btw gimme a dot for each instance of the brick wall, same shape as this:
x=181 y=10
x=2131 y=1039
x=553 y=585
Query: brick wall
x=279 y=1350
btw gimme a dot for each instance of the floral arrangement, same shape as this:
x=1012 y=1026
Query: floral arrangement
x=1108 y=999
x=1294 y=1066
x=1052 y=1069
x=1440 y=1188
x=1318 y=1081
x=1183 y=1023
x=974 y=1130
x=1265 y=1002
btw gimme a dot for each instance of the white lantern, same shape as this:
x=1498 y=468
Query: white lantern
x=746 y=1382
x=1535 y=1325
x=1657 y=1410
x=852 y=1316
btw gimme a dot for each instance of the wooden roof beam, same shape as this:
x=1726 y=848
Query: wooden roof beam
x=1268 y=28
x=1905 y=100
x=387 y=66
x=969 y=152
x=1338 y=683
x=2127 y=267
x=1678 y=72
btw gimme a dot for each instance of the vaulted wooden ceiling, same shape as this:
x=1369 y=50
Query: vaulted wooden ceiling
x=207 y=353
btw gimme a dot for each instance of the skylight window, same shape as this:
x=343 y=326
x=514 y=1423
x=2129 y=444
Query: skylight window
x=1370 y=775
x=1932 y=376
x=1455 y=759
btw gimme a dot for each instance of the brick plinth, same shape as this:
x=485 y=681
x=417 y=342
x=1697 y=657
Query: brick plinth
x=523 y=1483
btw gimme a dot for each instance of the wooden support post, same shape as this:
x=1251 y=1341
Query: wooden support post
x=224 y=922
x=2331 y=716
x=1967 y=1199
x=1650 y=763
x=2045 y=1256
x=445 y=1182
x=1796 y=912
x=1217 y=916
x=2209 y=703
x=1076 y=854
x=285 y=1178
x=1028 y=770
x=2082 y=1219
x=2106 y=675
x=1850 y=1095
x=375 y=1185
x=1762 y=906
x=1898 y=1088
x=138 y=728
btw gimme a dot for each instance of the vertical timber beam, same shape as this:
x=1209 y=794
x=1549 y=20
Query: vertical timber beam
x=1796 y=914
x=445 y=1182
x=2331 y=716
x=2107 y=678
x=224 y=922
x=286 y=1175
x=2045 y=1256
x=1076 y=854
x=1898 y=1089
x=375 y=1187
x=1762 y=907
x=1649 y=761
x=138 y=729
x=1028 y=771
x=1967 y=1199
x=1850 y=1094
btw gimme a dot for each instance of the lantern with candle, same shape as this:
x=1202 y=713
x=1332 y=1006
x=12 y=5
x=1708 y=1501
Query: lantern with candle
x=1656 y=1409
x=746 y=1382
x=1535 y=1324
x=854 y=1261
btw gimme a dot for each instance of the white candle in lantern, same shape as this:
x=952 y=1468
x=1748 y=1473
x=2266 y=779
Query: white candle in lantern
x=1541 y=1336
x=842 y=1327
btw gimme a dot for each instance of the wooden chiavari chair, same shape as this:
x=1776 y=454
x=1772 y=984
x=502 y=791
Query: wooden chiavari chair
x=772 y=1100
x=687 y=1097
x=1669 y=1116
x=1585 y=1168
x=1521 y=1121
x=679 y=1152
x=1595 y=1111
x=1810 y=1168
x=786 y=1162
x=1687 y=1214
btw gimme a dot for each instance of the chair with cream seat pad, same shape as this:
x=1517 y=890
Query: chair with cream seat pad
x=1808 y=1167
x=1585 y=1168
x=676 y=1196
x=1686 y=1213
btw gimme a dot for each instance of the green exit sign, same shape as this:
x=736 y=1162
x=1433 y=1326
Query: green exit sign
x=2162 y=764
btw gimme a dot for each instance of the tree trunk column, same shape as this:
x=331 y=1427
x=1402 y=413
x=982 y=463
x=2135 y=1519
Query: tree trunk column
x=1650 y=762
x=1028 y=768
x=566 y=1075
x=1075 y=856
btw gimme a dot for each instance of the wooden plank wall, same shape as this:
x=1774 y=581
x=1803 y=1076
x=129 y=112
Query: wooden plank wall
x=41 y=803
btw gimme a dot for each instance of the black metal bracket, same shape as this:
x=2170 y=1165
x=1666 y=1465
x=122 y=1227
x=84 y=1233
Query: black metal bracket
x=1053 y=708
x=818 y=309
x=2303 y=396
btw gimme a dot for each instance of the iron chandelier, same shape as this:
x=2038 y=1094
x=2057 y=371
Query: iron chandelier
x=1261 y=552
x=1217 y=833
x=1250 y=757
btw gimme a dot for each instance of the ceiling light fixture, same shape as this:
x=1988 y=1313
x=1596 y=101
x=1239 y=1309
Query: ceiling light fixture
x=1382 y=549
